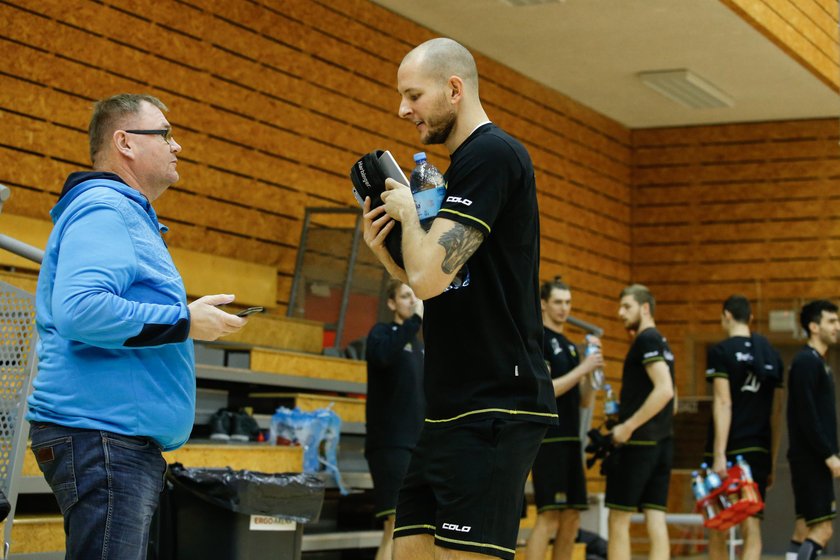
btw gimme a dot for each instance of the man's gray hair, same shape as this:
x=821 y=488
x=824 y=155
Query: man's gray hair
x=109 y=113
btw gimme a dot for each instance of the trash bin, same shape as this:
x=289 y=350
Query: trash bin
x=238 y=515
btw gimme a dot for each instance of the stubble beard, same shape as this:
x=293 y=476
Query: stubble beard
x=439 y=129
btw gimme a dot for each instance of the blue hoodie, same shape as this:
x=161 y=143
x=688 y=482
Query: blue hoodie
x=112 y=317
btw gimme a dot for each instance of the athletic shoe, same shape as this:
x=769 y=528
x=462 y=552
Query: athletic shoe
x=220 y=424
x=243 y=427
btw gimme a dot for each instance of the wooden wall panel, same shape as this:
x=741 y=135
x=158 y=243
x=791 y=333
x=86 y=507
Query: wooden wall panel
x=746 y=208
x=272 y=102
x=805 y=29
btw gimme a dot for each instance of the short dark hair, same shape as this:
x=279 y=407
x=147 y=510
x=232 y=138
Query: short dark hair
x=641 y=294
x=107 y=114
x=555 y=284
x=739 y=307
x=812 y=312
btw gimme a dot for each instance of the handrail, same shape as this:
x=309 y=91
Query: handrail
x=594 y=329
x=14 y=245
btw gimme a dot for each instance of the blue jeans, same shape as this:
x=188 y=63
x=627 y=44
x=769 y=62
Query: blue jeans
x=107 y=485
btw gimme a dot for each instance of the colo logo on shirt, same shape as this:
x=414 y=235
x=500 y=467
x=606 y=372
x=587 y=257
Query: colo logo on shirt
x=459 y=200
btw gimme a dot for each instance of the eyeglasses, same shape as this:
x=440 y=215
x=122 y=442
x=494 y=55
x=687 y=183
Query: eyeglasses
x=165 y=132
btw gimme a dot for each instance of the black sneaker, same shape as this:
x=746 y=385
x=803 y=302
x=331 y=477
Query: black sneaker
x=243 y=427
x=220 y=424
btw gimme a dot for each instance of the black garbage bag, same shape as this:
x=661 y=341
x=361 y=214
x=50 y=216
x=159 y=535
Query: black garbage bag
x=293 y=496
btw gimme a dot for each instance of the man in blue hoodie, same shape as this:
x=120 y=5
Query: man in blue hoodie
x=116 y=371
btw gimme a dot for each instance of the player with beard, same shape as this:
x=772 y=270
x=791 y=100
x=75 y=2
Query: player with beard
x=812 y=432
x=640 y=469
x=559 y=480
x=488 y=392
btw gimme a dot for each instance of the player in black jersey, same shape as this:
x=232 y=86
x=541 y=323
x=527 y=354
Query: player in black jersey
x=559 y=481
x=746 y=373
x=812 y=432
x=488 y=392
x=395 y=405
x=640 y=469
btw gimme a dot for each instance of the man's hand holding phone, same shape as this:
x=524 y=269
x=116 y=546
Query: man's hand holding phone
x=208 y=322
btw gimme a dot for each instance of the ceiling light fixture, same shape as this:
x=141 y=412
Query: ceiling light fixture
x=686 y=88
x=522 y=3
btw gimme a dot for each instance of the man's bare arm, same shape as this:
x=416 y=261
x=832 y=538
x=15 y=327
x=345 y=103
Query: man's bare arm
x=459 y=244
x=722 y=420
x=657 y=399
x=431 y=258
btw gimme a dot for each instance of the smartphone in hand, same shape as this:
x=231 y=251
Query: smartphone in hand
x=250 y=311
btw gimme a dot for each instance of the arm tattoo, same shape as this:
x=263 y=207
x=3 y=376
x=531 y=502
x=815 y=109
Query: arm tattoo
x=460 y=243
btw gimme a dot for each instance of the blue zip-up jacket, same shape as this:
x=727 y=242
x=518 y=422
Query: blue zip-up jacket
x=112 y=317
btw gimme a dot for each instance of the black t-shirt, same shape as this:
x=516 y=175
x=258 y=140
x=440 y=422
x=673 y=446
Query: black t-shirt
x=751 y=392
x=812 y=424
x=562 y=357
x=395 y=406
x=648 y=347
x=484 y=338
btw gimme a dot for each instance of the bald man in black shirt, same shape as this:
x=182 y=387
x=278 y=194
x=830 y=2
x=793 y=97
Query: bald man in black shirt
x=488 y=392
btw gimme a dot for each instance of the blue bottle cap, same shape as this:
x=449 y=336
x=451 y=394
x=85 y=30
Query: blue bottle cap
x=419 y=156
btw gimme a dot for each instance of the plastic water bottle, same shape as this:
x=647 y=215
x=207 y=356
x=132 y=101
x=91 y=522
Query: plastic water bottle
x=732 y=492
x=428 y=189
x=610 y=405
x=748 y=492
x=598 y=374
x=745 y=468
x=698 y=488
x=713 y=482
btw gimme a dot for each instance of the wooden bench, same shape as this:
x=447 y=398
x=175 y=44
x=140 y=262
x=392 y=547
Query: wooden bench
x=348 y=409
x=256 y=457
x=253 y=284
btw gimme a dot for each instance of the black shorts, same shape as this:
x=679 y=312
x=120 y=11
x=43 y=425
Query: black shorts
x=813 y=490
x=388 y=466
x=559 y=482
x=465 y=484
x=638 y=476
